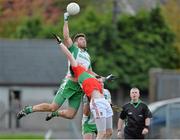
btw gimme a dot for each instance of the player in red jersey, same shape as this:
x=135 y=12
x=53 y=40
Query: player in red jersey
x=92 y=87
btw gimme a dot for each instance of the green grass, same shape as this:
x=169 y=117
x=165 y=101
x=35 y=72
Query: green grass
x=20 y=136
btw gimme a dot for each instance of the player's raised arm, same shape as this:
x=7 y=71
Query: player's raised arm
x=66 y=51
x=67 y=39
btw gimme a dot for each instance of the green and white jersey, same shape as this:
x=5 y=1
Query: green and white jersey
x=90 y=119
x=82 y=57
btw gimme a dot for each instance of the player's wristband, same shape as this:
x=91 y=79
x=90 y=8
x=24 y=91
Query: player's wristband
x=66 y=16
x=146 y=126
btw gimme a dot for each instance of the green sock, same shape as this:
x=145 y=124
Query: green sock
x=29 y=109
x=55 y=114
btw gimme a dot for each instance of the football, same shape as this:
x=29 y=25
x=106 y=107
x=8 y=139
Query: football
x=73 y=8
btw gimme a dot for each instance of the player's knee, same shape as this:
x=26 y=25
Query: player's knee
x=102 y=134
x=71 y=115
x=109 y=133
x=54 y=107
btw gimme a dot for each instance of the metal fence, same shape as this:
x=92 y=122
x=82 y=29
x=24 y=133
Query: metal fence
x=164 y=84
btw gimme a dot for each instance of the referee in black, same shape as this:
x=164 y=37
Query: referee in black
x=136 y=116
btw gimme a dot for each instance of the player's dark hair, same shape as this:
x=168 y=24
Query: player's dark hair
x=79 y=35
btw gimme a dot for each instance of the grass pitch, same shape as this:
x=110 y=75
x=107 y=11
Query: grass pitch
x=20 y=136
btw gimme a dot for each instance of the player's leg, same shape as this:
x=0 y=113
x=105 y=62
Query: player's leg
x=109 y=129
x=74 y=103
x=89 y=131
x=89 y=136
x=45 y=107
x=70 y=112
x=101 y=127
x=99 y=112
x=57 y=102
x=67 y=113
x=109 y=114
x=73 y=93
x=109 y=126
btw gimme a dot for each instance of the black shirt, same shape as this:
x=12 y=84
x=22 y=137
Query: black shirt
x=134 y=115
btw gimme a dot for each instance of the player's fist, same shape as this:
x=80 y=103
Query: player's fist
x=120 y=134
x=116 y=108
x=66 y=16
x=145 y=131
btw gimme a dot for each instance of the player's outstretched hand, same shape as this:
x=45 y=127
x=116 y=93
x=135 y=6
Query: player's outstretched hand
x=111 y=77
x=58 y=39
x=116 y=108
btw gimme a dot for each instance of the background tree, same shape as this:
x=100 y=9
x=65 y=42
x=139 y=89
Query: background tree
x=170 y=11
x=127 y=49
x=145 y=41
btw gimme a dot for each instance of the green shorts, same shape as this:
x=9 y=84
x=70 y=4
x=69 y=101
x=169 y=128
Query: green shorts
x=71 y=91
x=89 y=128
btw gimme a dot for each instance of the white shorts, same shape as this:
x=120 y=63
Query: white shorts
x=100 y=108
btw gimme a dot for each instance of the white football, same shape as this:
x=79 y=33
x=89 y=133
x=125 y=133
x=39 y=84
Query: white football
x=73 y=8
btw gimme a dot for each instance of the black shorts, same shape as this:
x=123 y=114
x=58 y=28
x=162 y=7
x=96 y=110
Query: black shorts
x=133 y=135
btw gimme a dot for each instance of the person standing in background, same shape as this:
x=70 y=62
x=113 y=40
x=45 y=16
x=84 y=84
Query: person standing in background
x=136 y=116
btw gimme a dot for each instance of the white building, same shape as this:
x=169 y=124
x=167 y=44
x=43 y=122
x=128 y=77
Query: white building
x=30 y=73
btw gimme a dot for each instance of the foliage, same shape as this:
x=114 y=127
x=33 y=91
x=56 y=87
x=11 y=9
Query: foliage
x=14 y=15
x=29 y=28
x=171 y=12
x=145 y=41
x=33 y=28
x=128 y=49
